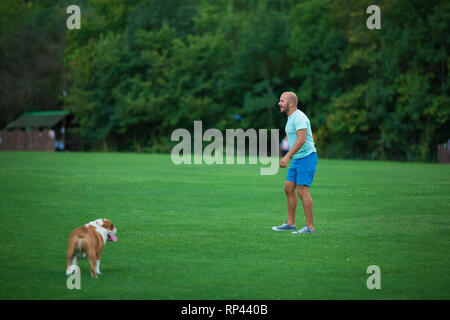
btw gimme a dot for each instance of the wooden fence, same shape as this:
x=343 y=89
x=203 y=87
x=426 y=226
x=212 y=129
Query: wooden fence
x=33 y=140
x=443 y=153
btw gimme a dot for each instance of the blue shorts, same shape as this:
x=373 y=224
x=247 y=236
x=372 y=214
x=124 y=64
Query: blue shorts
x=302 y=170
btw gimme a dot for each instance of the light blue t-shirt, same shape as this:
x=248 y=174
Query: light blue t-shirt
x=297 y=121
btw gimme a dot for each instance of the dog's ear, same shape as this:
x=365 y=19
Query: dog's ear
x=107 y=224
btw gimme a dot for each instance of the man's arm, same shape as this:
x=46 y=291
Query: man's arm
x=301 y=139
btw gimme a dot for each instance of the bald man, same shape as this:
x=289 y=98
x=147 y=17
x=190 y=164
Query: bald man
x=304 y=161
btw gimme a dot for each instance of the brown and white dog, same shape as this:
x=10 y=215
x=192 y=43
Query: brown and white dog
x=89 y=241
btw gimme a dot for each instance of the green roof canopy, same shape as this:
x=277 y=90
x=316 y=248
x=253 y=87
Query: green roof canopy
x=38 y=119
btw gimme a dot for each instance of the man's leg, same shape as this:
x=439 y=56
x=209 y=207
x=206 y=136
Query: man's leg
x=303 y=192
x=291 y=197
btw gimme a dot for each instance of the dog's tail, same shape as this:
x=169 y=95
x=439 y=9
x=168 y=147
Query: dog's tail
x=81 y=233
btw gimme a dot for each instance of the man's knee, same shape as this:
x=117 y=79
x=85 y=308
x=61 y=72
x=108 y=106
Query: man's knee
x=289 y=188
x=302 y=191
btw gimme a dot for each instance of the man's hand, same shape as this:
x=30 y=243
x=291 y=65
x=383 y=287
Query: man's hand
x=284 y=162
x=301 y=138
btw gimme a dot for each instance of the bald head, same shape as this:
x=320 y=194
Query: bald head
x=290 y=97
x=288 y=102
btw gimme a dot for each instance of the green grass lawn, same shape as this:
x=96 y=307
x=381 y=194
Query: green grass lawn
x=204 y=232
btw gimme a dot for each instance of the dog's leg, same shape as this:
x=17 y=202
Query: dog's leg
x=74 y=261
x=92 y=261
x=99 y=255
x=97 y=267
x=71 y=250
x=69 y=270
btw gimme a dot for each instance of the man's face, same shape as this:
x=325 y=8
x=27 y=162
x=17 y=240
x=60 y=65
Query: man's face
x=283 y=104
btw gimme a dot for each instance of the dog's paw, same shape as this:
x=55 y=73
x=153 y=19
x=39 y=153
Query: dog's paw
x=70 y=270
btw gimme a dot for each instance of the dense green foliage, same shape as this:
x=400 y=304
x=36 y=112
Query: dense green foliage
x=138 y=69
x=31 y=58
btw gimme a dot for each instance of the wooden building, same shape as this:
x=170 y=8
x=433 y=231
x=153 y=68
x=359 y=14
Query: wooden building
x=36 y=131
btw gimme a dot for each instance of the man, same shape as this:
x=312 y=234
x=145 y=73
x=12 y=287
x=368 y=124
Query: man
x=304 y=161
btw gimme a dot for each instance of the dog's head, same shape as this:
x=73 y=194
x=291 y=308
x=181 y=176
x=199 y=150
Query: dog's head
x=109 y=227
